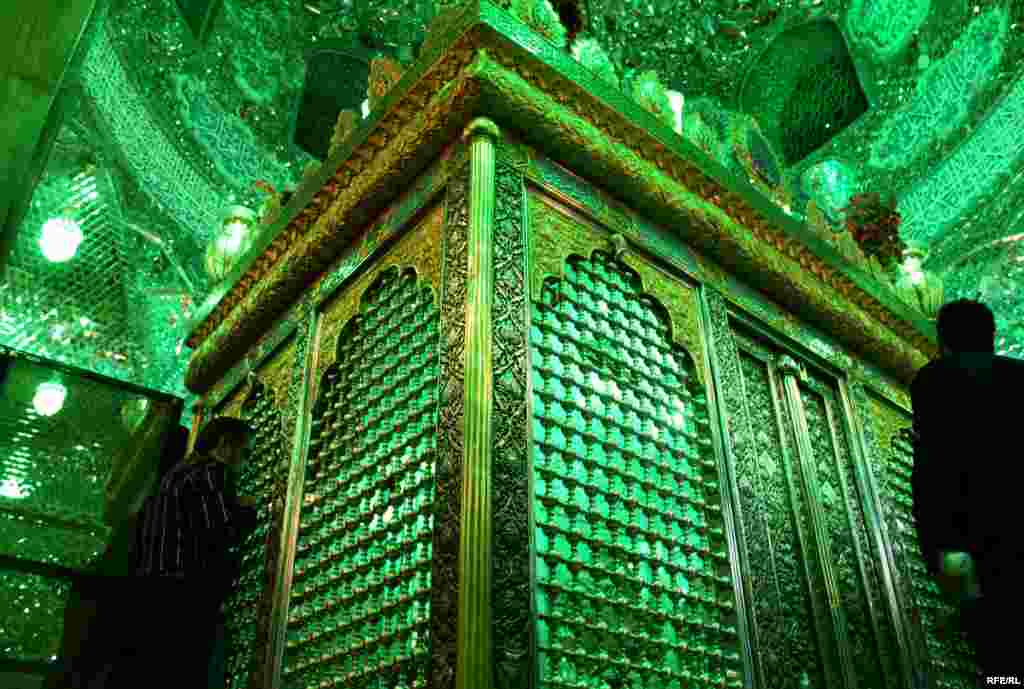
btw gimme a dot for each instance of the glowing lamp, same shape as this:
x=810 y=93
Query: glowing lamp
x=677 y=100
x=60 y=239
x=919 y=287
x=49 y=398
x=231 y=243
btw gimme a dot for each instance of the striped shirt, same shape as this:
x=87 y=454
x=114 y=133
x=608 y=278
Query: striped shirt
x=187 y=528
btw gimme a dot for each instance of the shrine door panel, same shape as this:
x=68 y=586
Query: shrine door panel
x=247 y=607
x=789 y=604
x=632 y=584
x=360 y=600
x=946 y=656
x=820 y=618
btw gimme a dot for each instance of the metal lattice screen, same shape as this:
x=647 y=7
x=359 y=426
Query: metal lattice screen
x=633 y=585
x=360 y=603
x=247 y=606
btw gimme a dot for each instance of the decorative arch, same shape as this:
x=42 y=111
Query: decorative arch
x=625 y=488
x=649 y=295
x=332 y=370
x=557 y=237
x=368 y=499
x=804 y=89
x=418 y=250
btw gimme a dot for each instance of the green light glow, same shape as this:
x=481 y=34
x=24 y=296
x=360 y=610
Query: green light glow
x=49 y=398
x=60 y=239
x=235 y=234
x=13 y=488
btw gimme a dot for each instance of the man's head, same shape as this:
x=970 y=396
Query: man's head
x=966 y=326
x=175 y=448
x=225 y=440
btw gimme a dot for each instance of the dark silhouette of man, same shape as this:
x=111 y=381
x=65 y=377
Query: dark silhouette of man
x=184 y=561
x=966 y=492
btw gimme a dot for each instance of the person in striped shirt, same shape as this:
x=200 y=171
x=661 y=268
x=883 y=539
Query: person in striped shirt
x=184 y=559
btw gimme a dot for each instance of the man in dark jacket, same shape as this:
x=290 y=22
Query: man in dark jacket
x=966 y=489
x=184 y=560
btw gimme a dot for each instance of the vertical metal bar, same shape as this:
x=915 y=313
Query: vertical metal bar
x=795 y=472
x=872 y=506
x=753 y=672
x=293 y=500
x=790 y=373
x=864 y=564
x=474 y=625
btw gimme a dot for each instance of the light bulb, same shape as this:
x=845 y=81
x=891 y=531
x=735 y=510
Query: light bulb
x=49 y=398
x=60 y=239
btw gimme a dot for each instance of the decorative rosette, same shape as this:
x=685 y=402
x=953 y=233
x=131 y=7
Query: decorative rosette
x=385 y=73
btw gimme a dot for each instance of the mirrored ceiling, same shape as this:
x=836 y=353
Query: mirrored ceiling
x=185 y=109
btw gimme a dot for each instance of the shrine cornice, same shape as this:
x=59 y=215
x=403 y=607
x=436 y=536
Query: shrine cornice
x=480 y=61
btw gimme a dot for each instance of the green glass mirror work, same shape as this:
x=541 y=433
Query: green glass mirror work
x=360 y=600
x=632 y=581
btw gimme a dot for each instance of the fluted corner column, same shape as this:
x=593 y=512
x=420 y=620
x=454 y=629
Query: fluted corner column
x=838 y=665
x=473 y=668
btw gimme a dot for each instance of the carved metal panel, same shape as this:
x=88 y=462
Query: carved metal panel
x=789 y=607
x=820 y=615
x=451 y=422
x=632 y=578
x=862 y=626
x=511 y=617
x=948 y=658
x=360 y=600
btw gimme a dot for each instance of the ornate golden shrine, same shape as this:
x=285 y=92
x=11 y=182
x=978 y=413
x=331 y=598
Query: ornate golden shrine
x=534 y=360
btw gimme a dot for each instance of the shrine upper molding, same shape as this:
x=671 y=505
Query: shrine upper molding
x=480 y=61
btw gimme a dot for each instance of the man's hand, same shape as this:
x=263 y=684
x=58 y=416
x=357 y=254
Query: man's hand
x=956 y=576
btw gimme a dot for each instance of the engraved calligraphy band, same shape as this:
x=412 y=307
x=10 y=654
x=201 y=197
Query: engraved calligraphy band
x=481 y=126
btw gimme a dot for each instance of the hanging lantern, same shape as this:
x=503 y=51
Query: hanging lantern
x=234 y=239
x=919 y=287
